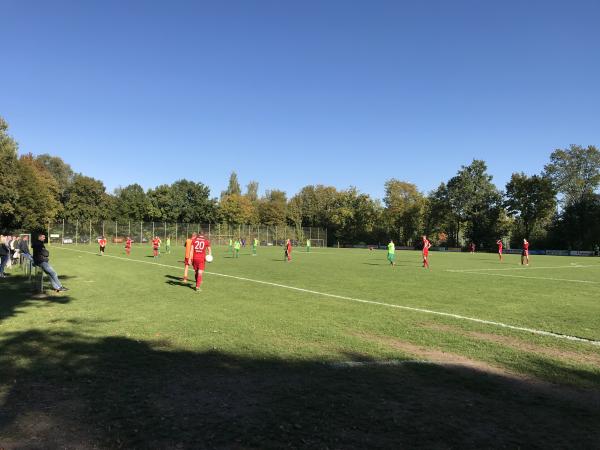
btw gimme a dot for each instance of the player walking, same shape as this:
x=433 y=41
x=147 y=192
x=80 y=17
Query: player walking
x=426 y=247
x=254 y=246
x=102 y=244
x=472 y=248
x=391 y=253
x=500 y=245
x=288 y=250
x=231 y=246
x=128 y=246
x=525 y=252
x=308 y=246
x=155 y=246
x=168 y=245
x=186 y=260
x=199 y=248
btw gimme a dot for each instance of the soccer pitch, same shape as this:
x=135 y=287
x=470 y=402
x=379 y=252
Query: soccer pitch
x=335 y=349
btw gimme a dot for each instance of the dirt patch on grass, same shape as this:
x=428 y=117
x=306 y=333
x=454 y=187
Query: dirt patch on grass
x=519 y=344
x=435 y=355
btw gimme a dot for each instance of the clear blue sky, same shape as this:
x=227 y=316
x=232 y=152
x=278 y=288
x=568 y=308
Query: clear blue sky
x=294 y=93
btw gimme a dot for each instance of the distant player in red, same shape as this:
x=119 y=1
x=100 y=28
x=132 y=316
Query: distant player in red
x=288 y=250
x=102 y=244
x=472 y=248
x=128 y=243
x=155 y=246
x=426 y=247
x=500 y=245
x=199 y=248
x=525 y=253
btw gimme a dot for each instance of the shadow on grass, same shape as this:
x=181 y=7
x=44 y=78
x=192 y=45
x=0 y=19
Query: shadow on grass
x=71 y=390
x=18 y=293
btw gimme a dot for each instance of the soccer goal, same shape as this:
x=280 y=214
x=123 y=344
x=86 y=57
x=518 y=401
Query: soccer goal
x=317 y=242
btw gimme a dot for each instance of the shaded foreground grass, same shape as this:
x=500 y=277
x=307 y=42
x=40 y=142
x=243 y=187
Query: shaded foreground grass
x=65 y=390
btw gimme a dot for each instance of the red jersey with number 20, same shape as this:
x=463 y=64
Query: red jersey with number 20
x=199 y=247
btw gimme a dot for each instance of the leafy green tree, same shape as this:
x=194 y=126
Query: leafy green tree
x=272 y=209
x=252 y=191
x=60 y=170
x=354 y=216
x=237 y=209
x=161 y=207
x=474 y=203
x=9 y=194
x=38 y=195
x=404 y=210
x=233 y=187
x=575 y=172
x=84 y=199
x=532 y=200
x=132 y=203
x=192 y=203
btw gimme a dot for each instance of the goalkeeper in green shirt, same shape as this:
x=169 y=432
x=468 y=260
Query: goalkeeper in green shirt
x=308 y=246
x=391 y=253
x=254 y=246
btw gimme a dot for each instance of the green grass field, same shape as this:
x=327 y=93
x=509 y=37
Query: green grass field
x=334 y=350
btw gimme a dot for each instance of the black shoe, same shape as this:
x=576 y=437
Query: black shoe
x=62 y=289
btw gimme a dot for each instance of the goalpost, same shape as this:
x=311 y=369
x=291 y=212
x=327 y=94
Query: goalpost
x=317 y=242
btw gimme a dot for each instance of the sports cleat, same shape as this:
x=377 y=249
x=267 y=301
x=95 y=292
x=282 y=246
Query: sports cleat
x=198 y=289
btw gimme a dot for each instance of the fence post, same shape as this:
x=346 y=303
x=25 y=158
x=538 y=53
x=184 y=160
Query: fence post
x=165 y=224
x=62 y=241
x=129 y=229
x=90 y=237
x=103 y=235
x=116 y=231
x=76 y=231
x=176 y=242
x=48 y=232
x=141 y=231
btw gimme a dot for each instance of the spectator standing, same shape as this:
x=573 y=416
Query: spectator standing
x=41 y=258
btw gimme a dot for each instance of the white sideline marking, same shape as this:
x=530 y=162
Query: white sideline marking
x=519 y=268
x=533 y=278
x=372 y=302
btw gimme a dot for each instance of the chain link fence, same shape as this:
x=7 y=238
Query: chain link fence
x=88 y=232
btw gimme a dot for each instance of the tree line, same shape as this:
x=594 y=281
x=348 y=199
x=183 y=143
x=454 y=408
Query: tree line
x=558 y=208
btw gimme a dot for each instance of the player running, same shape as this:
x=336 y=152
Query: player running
x=308 y=246
x=500 y=246
x=155 y=246
x=199 y=249
x=128 y=243
x=426 y=247
x=391 y=253
x=168 y=245
x=102 y=244
x=525 y=252
x=288 y=251
x=186 y=261
x=254 y=246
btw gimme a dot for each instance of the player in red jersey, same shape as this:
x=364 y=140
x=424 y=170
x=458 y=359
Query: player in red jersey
x=128 y=243
x=288 y=250
x=199 y=248
x=155 y=246
x=426 y=247
x=472 y=248
x=102 y=244
x=500 y=245
x=525 y=252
